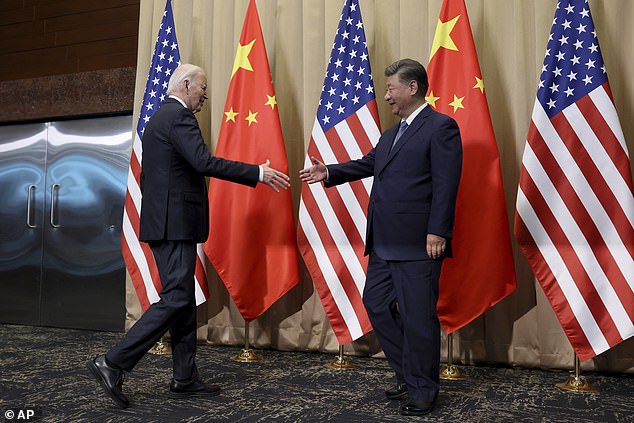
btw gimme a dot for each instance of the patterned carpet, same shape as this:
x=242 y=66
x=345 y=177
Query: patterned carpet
x=45 y=368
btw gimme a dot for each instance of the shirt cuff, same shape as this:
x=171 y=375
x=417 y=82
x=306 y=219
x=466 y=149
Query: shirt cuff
x=261 y=176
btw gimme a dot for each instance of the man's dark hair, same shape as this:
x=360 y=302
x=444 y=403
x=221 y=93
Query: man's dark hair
x=410 y=70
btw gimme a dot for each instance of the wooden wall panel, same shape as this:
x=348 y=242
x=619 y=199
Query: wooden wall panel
x=50 y=8
x=8 y=17
x=69 y=95
x=12 y=31
x=52 y=37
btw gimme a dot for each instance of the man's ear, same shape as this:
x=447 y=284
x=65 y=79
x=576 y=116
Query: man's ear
x=413 y=87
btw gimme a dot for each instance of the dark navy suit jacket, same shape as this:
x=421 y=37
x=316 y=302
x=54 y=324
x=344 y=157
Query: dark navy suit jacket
x=414 y=189
x=175 y=162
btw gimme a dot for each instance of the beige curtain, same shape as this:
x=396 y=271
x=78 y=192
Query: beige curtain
x=510 y=36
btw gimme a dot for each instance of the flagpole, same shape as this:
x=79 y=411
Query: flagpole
x=449 y=371
x=246 y=355
x=577 y=383
x=341 y=362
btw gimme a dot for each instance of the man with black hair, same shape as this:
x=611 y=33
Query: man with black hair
x=416 y=167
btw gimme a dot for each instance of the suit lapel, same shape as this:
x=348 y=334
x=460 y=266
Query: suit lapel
x=389 y=153
x=383 y=147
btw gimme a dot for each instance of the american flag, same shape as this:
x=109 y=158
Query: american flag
x=332 y=222
x=138 y=257
x=575 y=208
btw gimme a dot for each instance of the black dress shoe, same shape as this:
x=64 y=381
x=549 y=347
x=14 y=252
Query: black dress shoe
x=416 y=408
x=192 y=388
x=111 y=380
x=399 y=391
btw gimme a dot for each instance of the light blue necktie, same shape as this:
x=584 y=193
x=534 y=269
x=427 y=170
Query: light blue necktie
x=401 y=129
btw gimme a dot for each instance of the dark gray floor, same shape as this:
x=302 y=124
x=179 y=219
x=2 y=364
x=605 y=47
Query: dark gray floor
x=45 y=368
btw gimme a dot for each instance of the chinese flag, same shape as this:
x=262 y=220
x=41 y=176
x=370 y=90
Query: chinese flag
x=252 y=234
x=482 y=270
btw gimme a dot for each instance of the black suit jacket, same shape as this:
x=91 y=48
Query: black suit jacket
x=175 y=161
x=414 y=189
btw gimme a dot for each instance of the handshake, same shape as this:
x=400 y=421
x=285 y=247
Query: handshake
x=278 y=180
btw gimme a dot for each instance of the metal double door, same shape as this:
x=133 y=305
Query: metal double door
x=62 y=191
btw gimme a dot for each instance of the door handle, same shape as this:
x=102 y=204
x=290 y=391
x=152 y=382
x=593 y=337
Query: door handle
x=54 y=187
x=29 y=195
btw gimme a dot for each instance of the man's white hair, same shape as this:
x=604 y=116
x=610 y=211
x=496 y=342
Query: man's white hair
x=181 y=73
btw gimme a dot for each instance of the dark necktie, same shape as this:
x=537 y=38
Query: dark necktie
x=401 y=129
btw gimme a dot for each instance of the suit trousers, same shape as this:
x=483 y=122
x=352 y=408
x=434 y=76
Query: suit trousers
x=176 y=311
x=400 y=298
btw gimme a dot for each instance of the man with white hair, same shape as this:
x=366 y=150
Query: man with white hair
x=174 y=218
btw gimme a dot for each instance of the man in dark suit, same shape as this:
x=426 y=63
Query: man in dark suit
x=416 y=167
x=174 y=218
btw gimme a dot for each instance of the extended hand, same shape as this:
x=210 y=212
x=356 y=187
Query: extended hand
x=316 y=173
x=435 y=245
x=274 y=178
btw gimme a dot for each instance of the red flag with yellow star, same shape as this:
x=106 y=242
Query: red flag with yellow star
x=482 y=270
x=252 y=234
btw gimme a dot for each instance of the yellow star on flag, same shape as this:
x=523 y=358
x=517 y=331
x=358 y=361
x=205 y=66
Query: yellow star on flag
x=242 y=58
x=271 y=101
x=231 y=115
x=479 y=84
x=251 y=118
x=456 y=103
x=442 y=38
x=431 y=99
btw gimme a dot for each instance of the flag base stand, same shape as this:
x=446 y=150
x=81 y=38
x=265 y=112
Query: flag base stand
x=341 y=362
x=246 y=355
x=449 y=371
x=577 y=383
x=161 y=348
